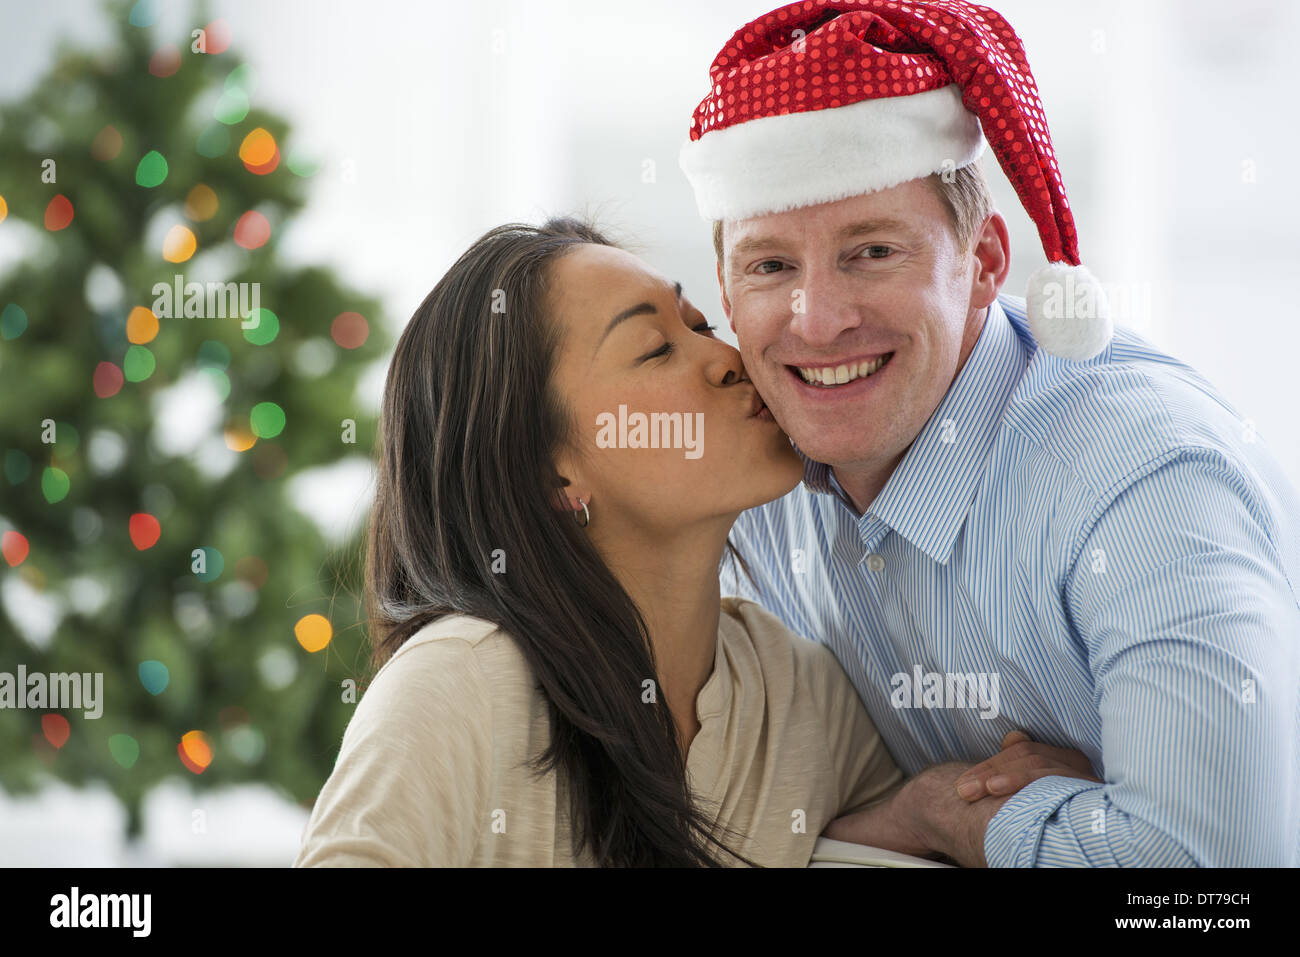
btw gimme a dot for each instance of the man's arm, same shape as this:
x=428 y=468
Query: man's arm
x=1192 y=629
x=925 y=816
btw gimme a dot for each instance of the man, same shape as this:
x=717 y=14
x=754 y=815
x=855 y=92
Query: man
x=1004 y=497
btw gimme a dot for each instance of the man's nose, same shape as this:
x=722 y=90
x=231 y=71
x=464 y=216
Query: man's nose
x=822 y=307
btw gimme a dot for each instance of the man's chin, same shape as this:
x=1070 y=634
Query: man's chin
x=842 y=454
x=831 y=437
x=846 y=462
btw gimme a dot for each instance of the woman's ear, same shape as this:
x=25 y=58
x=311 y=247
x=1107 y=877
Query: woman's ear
x=568 y=498
x=567 y=486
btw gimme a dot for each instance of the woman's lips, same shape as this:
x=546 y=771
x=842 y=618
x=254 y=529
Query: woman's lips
x=759 y=409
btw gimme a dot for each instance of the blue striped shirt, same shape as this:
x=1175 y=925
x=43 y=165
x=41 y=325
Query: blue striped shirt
x=1112 y=550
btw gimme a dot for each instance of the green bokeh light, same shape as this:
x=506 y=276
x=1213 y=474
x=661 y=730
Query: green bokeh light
x=138 y=364
x=266 y=420
x=55 y=484
x=267 y=328
x=212 y=563
x=213 y=141
x=232 y=107
x=13 y=321
x=214 y=354
x=152 y=169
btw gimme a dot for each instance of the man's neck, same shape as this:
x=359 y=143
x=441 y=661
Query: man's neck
x=863 y=483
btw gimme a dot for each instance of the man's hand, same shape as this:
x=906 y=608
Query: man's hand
x=927 y=816
x=1020 y=761
x=947 y=824
x=887 y=823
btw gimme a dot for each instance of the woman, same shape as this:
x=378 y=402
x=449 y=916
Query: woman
x=564 y=447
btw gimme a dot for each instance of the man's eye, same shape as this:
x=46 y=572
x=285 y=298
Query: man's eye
x=878 y=252
x=765 y=262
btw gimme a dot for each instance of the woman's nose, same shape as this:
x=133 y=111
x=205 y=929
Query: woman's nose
x=726 y=366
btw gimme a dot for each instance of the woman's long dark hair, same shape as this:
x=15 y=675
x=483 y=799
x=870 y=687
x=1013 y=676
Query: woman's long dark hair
x=466 y=477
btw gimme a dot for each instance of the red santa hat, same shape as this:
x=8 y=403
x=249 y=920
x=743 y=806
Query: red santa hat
x=825 y=99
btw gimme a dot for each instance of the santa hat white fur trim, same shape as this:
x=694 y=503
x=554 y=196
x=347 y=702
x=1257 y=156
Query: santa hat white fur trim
x=1067 y=312
x=775 y=163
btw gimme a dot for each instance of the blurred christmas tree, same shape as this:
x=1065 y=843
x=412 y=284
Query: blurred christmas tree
x=225 y=626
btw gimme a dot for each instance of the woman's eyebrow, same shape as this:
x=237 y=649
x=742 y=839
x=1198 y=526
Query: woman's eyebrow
x=641 y=308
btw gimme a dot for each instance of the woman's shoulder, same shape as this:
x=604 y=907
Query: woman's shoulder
x=467 y=629
x=461 y=651
x=781 y=649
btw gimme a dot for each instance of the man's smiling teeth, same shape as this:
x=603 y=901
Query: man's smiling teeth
x=838 y=375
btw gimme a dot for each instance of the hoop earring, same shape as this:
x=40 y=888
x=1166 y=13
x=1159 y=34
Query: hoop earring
x=587 y=514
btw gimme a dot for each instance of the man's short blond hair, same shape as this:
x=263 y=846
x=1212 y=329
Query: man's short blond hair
x=966 y=196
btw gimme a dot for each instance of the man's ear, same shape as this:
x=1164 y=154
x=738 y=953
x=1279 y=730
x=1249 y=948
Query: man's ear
x=992 y=249
x=726 y=303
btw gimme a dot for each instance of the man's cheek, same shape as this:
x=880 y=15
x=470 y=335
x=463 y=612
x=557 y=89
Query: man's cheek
x=755 y=366
x=755 y=331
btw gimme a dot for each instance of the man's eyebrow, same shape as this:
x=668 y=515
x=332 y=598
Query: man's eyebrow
x=640 y=309
x=752 y=243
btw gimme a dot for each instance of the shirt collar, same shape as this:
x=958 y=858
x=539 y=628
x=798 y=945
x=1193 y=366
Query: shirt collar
x=928 y=496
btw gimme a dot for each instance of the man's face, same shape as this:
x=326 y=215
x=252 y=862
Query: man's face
x=841 y=287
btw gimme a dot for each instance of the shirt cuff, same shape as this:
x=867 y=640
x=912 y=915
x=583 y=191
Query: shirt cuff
x=1014 y=833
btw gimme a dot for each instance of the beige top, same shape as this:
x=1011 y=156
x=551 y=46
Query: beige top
x=431 y=770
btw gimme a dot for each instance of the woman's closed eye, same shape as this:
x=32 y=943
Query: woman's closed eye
x=667 y=348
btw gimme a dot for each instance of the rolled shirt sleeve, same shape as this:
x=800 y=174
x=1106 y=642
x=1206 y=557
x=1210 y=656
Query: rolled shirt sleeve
x=1192 y=630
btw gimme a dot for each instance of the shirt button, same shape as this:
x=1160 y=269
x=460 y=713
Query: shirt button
x=875 y=562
